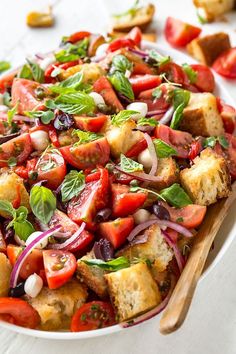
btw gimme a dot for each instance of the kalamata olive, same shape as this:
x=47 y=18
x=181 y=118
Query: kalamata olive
x=150 y=61
x=103 y=250
x=161 y=212
x=103 y=215
x=63 y=121
x=18 y=291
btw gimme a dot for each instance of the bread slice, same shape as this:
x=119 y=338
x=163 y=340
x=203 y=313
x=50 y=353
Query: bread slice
x=168 y=170
x=132 y=291
x=201 y=116
x=213 y=8
x=208 y=179
x=207 y=49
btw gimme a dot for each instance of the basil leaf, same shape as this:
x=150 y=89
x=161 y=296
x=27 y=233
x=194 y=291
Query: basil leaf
x=192 y=74
x=11 y=113
x=6 y=99
x=121 y=63
x=122 y=117
x=223 y=142
x=113 y=265
x=45 y=116
x=160 y=59
x=23 y=229
x=85 y=137
x=163 y=149
x=148 y=121
x=211 y=142
x=73 y=51
x=26 y=73
x=12 y=161
x=75 y=103
x=72 y=185
x=37 y=72
x=137 y=188
x=129 y=165
x=43 y=203
x=4 y=65
x=7 y=207
x=21 y=213
x=50 y=104
x=122 y=84
x=177 y=116
x=180 y=96
x=157 y=92
x=73 y=81
x=175 y=195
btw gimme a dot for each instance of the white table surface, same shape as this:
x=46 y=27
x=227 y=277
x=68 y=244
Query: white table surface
x=211 y=324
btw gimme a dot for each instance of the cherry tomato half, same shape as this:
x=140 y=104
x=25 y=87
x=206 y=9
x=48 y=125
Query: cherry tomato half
x=179 y=33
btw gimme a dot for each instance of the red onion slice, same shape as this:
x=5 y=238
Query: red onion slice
x=167 y=116
x=153 y=154
x=20 y=260
x=140 y=228
x=140 y=53
x=70 y=241
x=179 y=258
x=141 y=176
x=156 y=112
x=174 y=226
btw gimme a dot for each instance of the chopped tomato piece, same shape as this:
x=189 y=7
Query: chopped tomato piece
x=228 y=115
x=105 y=89
x=144 y=82
x=205 y=79
x=231 y=152
x=47 y=74
x=91 y=124
x=141 y=69
x=93 y=177
x=179 y=33
x=19 y=148
x=174 y=73
x=225 y=64
x=120 y=43
x=78 y=36
x=137 y=148
x=195 y=149
x=93 y=315
x=124 y=202
x=136 y=35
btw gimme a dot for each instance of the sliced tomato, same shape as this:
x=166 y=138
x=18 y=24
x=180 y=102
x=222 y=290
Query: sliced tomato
x=190 y=216
x=155 y=104
x=144 y=82
x=91 y=177
x=231 y=152
x=228 y=115
x=93 y=315
x=137 y=148
x=117 y=231
x=105 y=89
x=177 y=139
x=93 y=198
x=3 y=246
x=174 y=73
x=179 y=33
x=59 y=267
x=52 y=168
x=195 y=149
x=32 y=264
x=47 y=74
x=140 y=68
x=23 y=91
x=205 y=79
x=136 y=35
x=122 y=178
x=21 y=312
x=120 y=43
x=225 y=64
x=6 y=80
x=87 y=155
x=19 y=148
x=78 y=36
x=91 y=124
x=124 y=202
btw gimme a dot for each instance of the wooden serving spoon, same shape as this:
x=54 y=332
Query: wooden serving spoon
x=181 y=298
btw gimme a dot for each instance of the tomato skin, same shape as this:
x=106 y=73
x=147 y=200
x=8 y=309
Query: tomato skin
x=92 y=177
x=59 y=267
x=228 y=115
x=205 y=79
x=87 y=155
x=124 y=202
x=94 y=313
x=225 y=64
x=21 y=312
x=179 y=33
x=174 y=73
x=6 y=80
x=117 y=231
x=47 y=74
x=137 y=148
x=136 y=35
x=91 y=124
x=78 y=36
x=231 y=152
x=120 y=43
x=195 y=149
x=19 y=147
x=144 y=82
x=141 y=69
x=105 y=89
x=21 y=171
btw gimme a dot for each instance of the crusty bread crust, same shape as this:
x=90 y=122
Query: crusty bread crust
x=5 y=273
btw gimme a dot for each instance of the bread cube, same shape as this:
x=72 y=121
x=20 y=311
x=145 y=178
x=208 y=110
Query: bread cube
x=132 y=291
x=166 y=169
x=92 y=276
x=5 y=273
x=91 y=72
x=201 y=116
x=207 y=49
x=213 y=8
x=208 y=179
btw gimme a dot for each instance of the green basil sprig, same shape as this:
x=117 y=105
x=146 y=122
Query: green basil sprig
x=163 y=149
x=122 y=84
x=122 y=117
x=85 y=137
x=175 y=195
x=72 y=185
x=113 y=265
x=43 y=203
x=121 y=63
x=129 y=165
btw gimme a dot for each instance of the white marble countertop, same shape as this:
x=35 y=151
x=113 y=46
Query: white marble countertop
x=211 y=324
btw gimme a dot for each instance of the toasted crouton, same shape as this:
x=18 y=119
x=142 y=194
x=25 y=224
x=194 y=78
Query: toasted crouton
x=213 y=8
x=11 y=187
x=207 y=49
x=201 y=116
x=142 y=17
x=92 y=276
x=91 y=72
x=208 y=179
x=167 y=169
x=5 y=272
x=56 y=307
x=133 y=291
x=155 y=249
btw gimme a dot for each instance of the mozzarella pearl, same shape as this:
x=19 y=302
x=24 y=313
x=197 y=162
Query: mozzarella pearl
x=140 y=216
x=33 y=285
x=42 y=244
x=98 y=99
x=140 y=107
x=3 y=108
x=44 y=64
x=101 y=50
x=145 y=159
x=40 y=140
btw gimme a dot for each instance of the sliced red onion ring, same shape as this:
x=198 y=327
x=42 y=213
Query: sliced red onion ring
x=167 y=116
x=156 y=112
x=17 y=117
x=153 y=312
x=179 y=258
x=141 y=176
x=140 y=53
x=153 y=154
x=20 y=260
x=70 y=241
x=145 y=128
x=140 y=228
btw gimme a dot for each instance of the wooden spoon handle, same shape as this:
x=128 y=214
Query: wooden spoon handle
x=180 y=300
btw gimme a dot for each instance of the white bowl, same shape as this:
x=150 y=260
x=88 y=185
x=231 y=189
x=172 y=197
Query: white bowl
x=222 y=241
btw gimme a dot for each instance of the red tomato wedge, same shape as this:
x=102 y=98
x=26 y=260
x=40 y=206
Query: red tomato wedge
x=144 y=82
x=87 y=155
x=120 y=43
x=19 y=148
x=78 y=36
x=179 y=33
x=92 y=199
x=190 y=216
x=231 y=152
x=19 y=312
x=23 y=91
x=195 y=149
x=7 y=80
x=225 y=64
x=93 y=315
x=137 y=148
x=228 y=115
x=141 y=69
x=91 y=124
x=105 y=89
x=59 y=267
x=136 y=35
x=124 y=202
x=205 y=79
x=174 y=73
x=117 y=231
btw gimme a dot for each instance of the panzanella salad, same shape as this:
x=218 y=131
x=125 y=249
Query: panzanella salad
x=110 y=156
